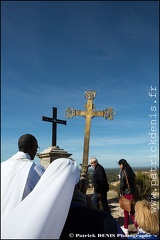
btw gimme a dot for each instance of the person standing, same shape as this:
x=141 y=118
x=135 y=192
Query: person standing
x=19 y=174
x=128 y=192
x=100 y=185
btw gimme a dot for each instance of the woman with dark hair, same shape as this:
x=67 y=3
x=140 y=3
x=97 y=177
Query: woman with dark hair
x=128 y=192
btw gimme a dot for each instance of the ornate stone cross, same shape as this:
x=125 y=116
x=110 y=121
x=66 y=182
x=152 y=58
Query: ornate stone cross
x=54 y=121
x=88 y=114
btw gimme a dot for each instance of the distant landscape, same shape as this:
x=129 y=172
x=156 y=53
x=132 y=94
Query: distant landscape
x=112 y=173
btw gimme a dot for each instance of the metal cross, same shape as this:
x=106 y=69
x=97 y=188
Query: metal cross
x=88 y=114
x=54 y=121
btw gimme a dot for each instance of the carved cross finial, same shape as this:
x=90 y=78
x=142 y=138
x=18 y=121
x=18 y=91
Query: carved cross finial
x=90 y=94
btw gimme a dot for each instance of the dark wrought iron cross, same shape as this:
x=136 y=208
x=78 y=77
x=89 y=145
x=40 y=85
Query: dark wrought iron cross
x=54 y=121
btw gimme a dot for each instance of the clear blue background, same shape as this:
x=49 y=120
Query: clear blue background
x=54 y=51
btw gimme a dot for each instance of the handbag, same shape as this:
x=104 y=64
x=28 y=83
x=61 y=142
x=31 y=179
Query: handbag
x=126 y=204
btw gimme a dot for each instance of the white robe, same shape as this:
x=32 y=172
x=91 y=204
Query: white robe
x=42 y=214
x=19 y=175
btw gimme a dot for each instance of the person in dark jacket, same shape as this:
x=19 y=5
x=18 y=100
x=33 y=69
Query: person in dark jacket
x=100 y=185
x=87 y=222
x=127 y=191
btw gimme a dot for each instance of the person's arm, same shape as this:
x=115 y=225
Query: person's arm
x=122 y=183
x=34 y=175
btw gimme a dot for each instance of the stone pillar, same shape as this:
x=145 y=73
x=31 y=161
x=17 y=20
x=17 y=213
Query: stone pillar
x=84 y=178
x=50 y=154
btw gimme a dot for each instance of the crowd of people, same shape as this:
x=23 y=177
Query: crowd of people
x=48 y=204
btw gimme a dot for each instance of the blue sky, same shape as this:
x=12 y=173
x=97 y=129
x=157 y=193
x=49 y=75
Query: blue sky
x=54 y=51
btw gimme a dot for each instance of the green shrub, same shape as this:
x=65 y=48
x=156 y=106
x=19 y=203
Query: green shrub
x=143 y=185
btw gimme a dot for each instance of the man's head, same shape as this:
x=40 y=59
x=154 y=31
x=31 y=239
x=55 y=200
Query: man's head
x=93 y=161
x=27 y=143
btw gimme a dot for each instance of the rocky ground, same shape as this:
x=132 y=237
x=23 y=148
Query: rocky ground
x=116 y=211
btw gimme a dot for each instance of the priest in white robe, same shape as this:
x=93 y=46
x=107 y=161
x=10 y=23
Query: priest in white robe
x=42 y=214
x=19 y=174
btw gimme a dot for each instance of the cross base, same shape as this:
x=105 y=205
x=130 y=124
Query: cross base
x=50 y=154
